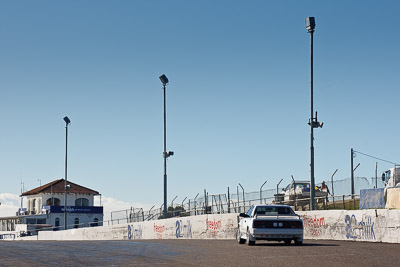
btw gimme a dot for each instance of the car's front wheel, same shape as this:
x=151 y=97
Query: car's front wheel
x=239 y=238
x=248 y=241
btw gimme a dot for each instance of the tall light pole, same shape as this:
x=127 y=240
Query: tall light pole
x=166 y=154
x=67 y=122
x=313 y=122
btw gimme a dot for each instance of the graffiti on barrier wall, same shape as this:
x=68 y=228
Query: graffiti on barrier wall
x=314 y=226
x=7 y=237
x=183 y=230
x=213 y=226
x=359 y=230
x=159 y=230
x=134 y=233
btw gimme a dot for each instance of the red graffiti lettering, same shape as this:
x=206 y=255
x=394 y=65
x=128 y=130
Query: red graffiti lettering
x=214 y=225
x=213 y=233
x=159 y=229
x=314 y=225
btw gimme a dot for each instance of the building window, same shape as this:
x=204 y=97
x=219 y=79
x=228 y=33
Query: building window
x=82 y=202
x=30 y=221
x=57 y=223
x=53 y=201
x=95 y=222
x=76 y=223
x=34 y=206
x=41 y=221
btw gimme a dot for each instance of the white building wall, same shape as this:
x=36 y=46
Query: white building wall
x=84 y=219
x=40 y=200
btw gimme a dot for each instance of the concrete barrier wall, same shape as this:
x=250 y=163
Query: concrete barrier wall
x=381 y=225
x=393 y=198
x=218 y=226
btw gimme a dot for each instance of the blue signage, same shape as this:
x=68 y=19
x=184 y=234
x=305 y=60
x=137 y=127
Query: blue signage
x=77 y=209
x=21 y=211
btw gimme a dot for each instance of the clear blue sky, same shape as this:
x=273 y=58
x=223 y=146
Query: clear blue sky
x=238 y=100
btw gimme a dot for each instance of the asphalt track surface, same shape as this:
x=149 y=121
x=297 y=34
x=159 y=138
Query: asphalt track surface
x=196 y=253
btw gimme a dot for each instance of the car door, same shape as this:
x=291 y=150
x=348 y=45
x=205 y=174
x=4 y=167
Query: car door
x=246 y=221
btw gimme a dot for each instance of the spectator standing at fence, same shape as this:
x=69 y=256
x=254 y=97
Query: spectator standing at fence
x=324 y=188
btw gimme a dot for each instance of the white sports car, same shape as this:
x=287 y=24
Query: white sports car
x=270 y=222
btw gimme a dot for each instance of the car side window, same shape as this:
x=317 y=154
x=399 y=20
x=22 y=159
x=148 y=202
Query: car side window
x=250 y=211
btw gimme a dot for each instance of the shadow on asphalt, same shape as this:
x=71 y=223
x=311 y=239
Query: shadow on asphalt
x=293 y=245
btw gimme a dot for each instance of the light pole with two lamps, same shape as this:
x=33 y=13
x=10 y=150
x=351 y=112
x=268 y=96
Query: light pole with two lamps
x=313 y=122
x=166 y=154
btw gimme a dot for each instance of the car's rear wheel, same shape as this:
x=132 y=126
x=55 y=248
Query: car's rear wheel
x=298 y=242
x=287 y=241
x=239 y=238
x=248 y=241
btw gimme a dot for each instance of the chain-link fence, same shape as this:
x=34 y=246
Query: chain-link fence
x=240 y=201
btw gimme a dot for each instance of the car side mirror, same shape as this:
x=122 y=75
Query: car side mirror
x=244 y=215
x=284 y=189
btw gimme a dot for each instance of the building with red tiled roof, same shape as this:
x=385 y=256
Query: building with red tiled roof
x=45 y=206
x=57 y=186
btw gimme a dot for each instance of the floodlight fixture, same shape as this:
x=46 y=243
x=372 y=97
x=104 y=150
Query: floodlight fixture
x=168 y=154
x=164 y=79
x=67 y=120
x=316 y=124
x=310 y=24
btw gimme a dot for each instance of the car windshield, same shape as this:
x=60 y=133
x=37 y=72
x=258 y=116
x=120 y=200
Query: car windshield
x=274 y=211
x=303 y=185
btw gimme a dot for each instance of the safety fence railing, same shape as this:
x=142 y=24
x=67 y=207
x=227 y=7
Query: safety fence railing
x=241 y=201
x=219 y=204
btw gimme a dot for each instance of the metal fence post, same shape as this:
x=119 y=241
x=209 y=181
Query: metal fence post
x=294 y=190
x=344 y=205
x=229 y=201
x=244 y=201
x=237 y=193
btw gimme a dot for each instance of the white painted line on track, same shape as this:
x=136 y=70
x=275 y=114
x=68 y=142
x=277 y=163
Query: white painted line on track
x=305 y=255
